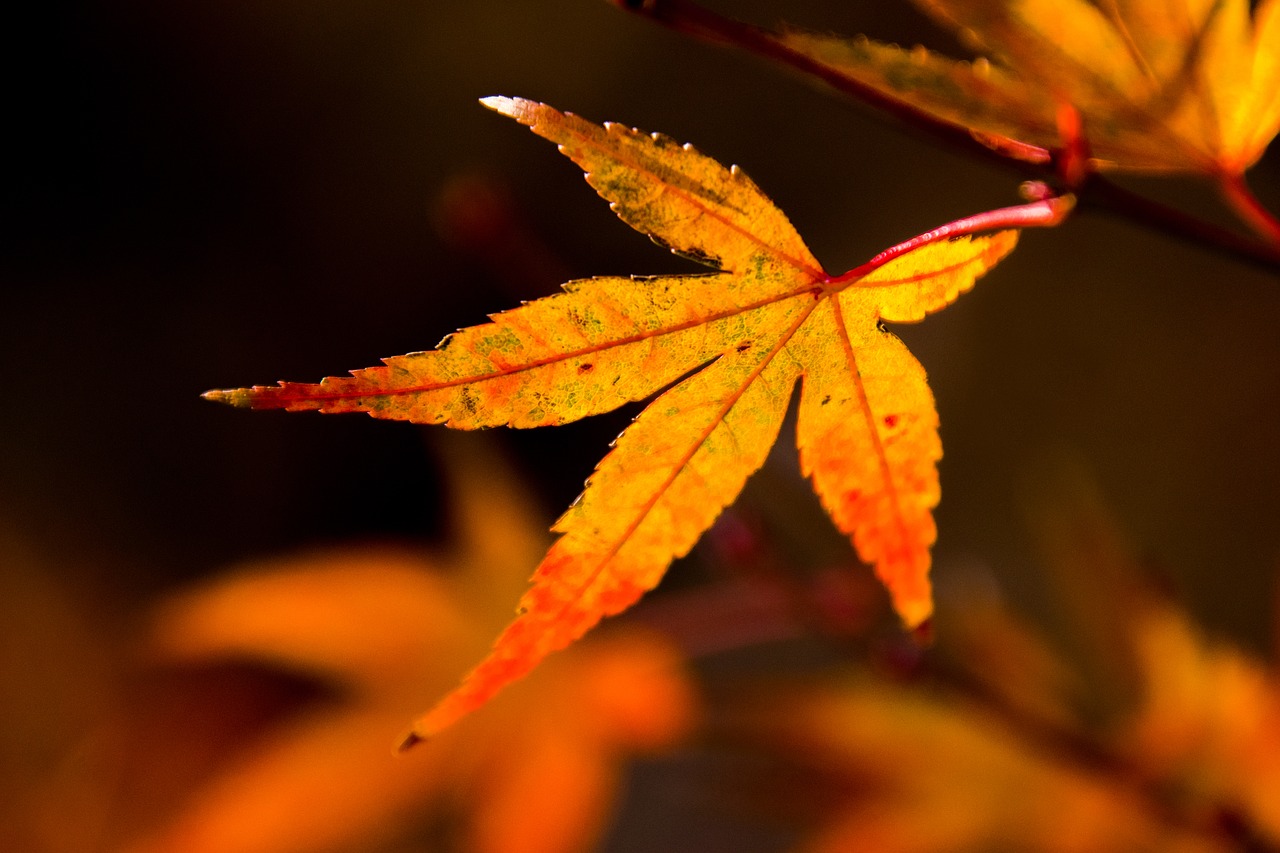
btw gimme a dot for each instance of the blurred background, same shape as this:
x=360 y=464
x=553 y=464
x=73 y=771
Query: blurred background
x=213 y=195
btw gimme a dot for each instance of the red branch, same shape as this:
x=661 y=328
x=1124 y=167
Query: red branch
x=1249 y=209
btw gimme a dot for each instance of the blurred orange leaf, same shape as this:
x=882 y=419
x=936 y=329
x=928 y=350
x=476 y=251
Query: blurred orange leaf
x=385 y=627
x=991 y=747
x=915 y=771
x=1209 y=719
x=1162 y=85
x=732 y=344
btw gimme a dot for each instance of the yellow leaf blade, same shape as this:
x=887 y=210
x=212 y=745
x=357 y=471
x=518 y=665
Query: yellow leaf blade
x=1067 y=49
x=867 y=428
x=979 y=95
x=1068 y=44
x=681 y=198
x=1254 y=120
x=932 y=277
x=1164 y=86
x=868 y=438
x=603 y=343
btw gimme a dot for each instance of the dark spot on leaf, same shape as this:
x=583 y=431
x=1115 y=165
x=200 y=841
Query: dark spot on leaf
x=825 y=400
x=468 y=400
x=890 y=421
x=698 y=256
x=744 y=347
x=584 y=368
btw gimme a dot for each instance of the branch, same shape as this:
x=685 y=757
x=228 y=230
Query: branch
x=1249 y=208
x=1102 y=194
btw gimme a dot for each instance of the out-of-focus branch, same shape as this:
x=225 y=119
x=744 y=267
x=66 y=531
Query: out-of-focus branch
x=1250 y=210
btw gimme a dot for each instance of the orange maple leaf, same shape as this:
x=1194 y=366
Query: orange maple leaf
x=731 y=345
x=380 y=626
x=538 y=774
x=1161 y=85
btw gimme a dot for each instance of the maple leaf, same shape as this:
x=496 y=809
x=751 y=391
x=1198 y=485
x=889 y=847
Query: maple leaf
x=1161 y=85
x=378 y=623
x=381 y=625
x=731 y=345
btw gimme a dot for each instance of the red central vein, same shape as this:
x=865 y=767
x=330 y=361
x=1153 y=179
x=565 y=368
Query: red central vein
x=536 y=363
x=845 y=280
x=865 y=403
x=685 y=460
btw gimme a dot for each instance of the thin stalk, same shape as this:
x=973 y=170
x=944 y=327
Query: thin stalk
x=1250 y=210
x=1042 y=213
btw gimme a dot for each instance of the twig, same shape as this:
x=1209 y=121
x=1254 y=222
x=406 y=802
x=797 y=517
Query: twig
x=1046 y=211
x=1250 y=210
x=1105 y=195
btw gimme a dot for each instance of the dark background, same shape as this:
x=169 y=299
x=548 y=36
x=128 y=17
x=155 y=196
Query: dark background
x=208 y=194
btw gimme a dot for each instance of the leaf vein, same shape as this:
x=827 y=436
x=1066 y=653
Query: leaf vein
x=868 y=415
x=503 y=371
x=702 y=438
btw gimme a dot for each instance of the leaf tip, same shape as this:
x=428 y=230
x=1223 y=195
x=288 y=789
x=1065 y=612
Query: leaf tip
x=409 y=741
x=517 y=108
x=238 y=397
x=916 y=613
